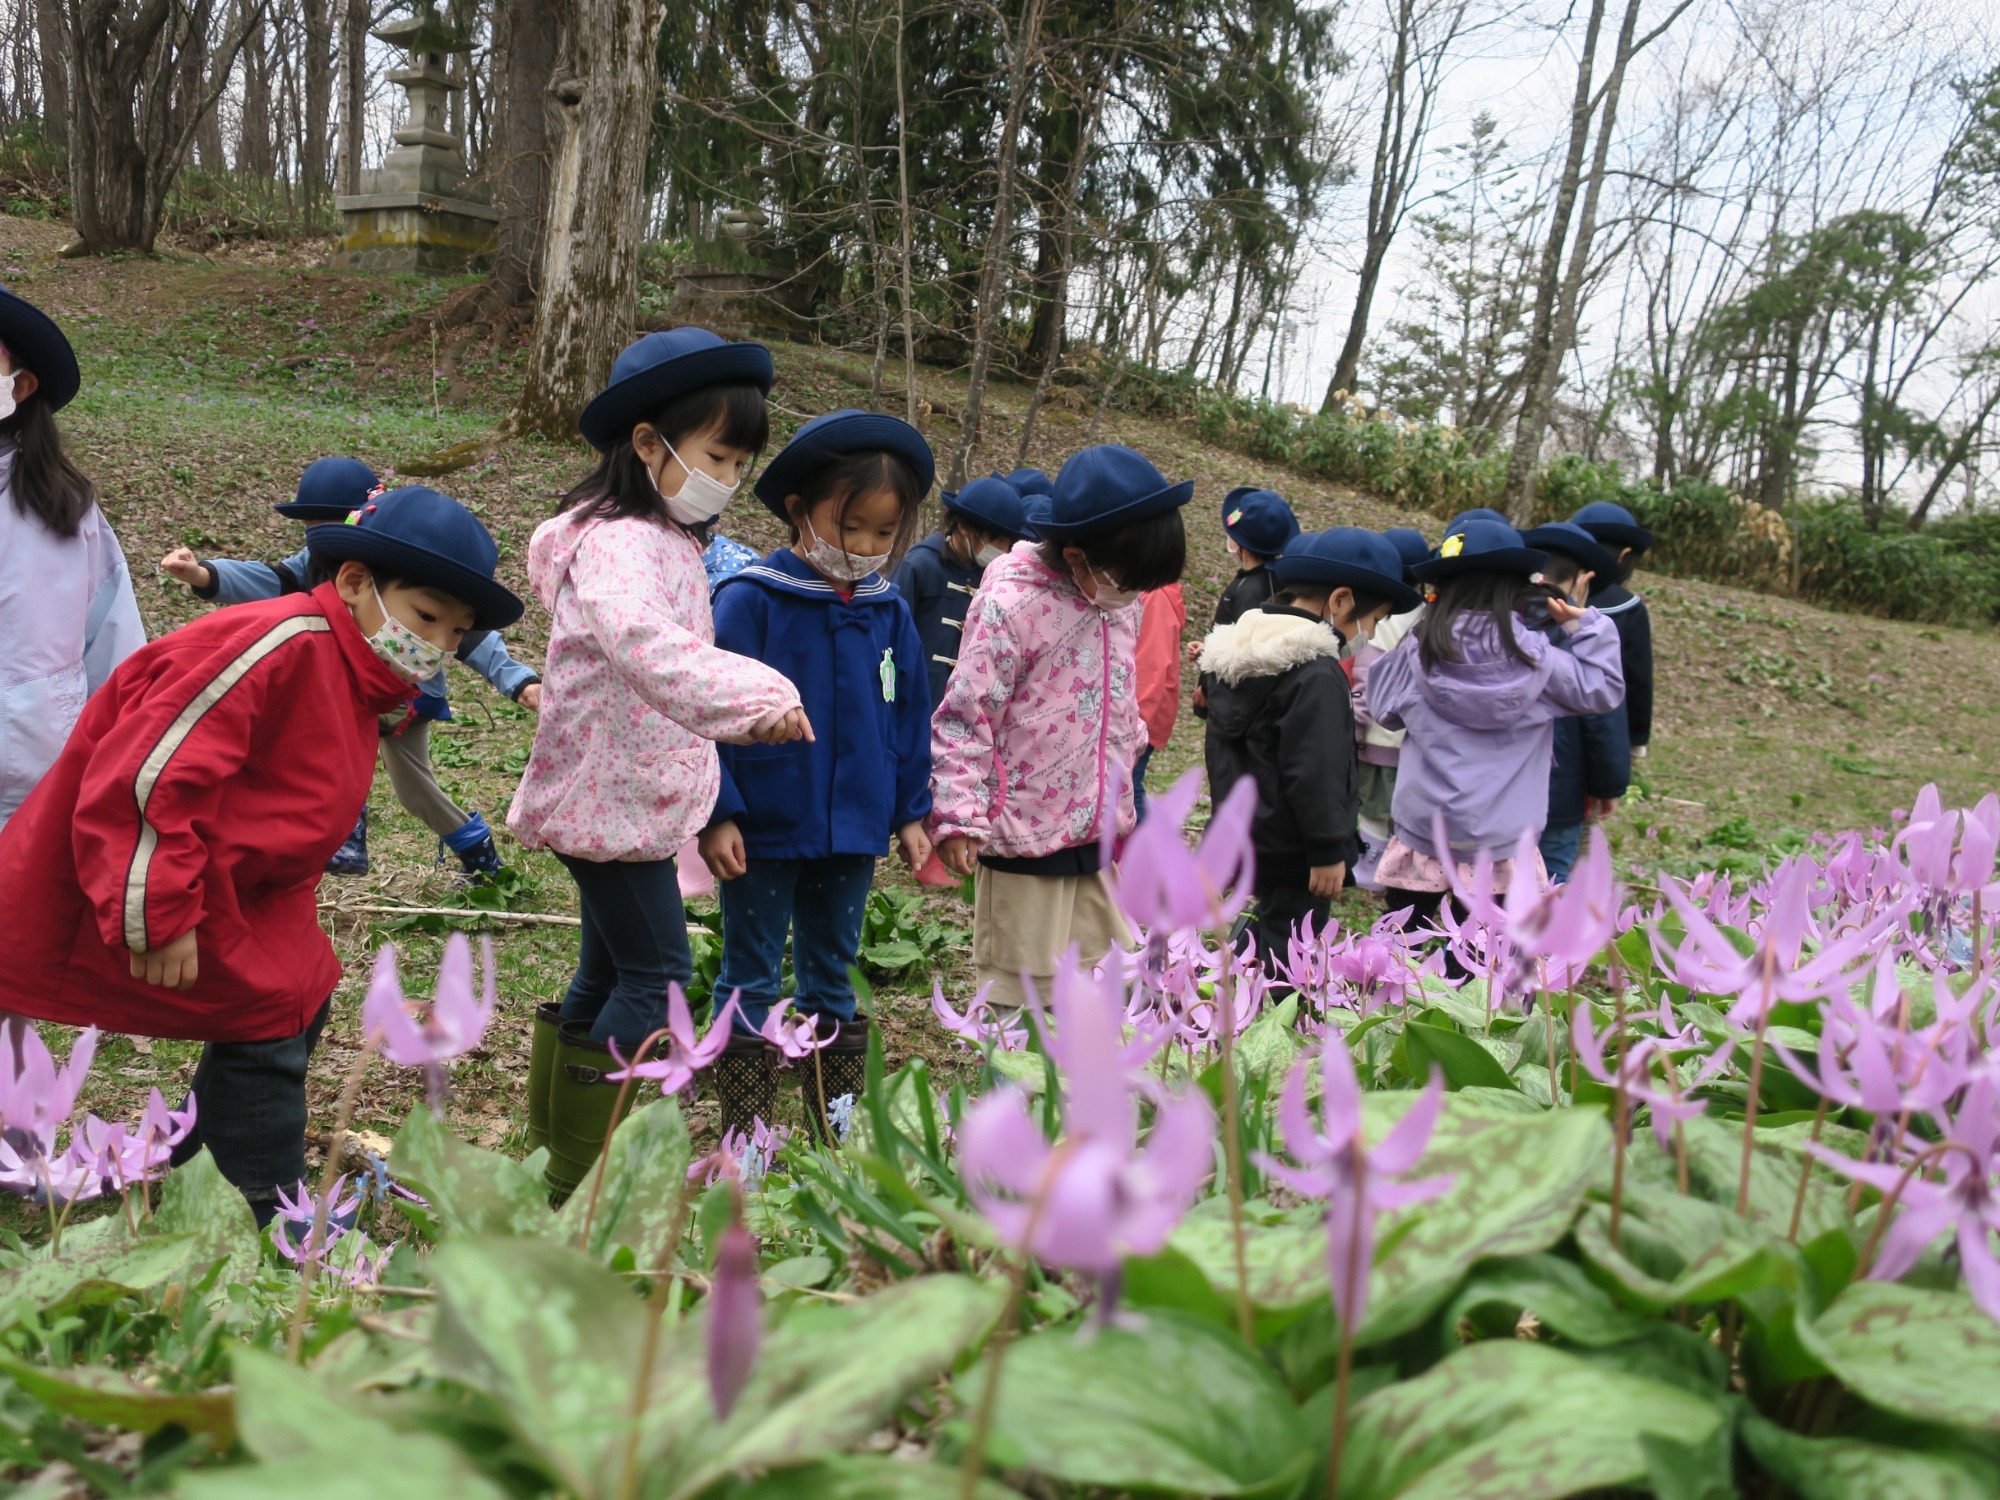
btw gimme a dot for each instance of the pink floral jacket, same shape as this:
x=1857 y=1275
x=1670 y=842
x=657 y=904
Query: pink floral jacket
x=634 y=693
x=1040 y=707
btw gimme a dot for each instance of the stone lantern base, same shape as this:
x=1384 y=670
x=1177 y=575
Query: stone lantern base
x=417 y=232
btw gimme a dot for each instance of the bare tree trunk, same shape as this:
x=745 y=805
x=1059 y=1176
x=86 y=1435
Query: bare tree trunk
x=1065 y=248
x=353 y=93
x=903 y=204
x=525 y=62
x=993 y=271
x=602 y=94
x=317 y=88
x=55 y=71
x=254 y=157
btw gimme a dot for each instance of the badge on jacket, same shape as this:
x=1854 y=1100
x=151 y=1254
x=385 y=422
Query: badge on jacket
x=888 y=675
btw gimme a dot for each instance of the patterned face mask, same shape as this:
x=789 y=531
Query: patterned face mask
x=838 y=562
x=401 y=649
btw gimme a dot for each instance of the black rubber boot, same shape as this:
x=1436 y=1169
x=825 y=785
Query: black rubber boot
x=838 y=1071
x=744 y=1079
x=542 y=1038
x=583 y=1108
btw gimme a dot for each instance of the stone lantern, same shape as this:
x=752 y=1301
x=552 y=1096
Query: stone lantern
x=416 y=212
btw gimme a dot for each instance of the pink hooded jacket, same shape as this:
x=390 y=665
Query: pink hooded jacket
x=1040 y=708
x=634 y=695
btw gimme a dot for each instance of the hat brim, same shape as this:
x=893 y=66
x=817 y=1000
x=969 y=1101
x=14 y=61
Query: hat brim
x=1522 y=560
x=304 y=510
x=1003 y=526
x=37 y=344
x=1303 y=569
x=614 y=411
x=1618 y=534
x=1047 y=527
x=1590 y=553
x=494 y=606
x=786 y=474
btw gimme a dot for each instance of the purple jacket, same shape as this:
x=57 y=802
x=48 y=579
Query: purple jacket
x=1481 y=730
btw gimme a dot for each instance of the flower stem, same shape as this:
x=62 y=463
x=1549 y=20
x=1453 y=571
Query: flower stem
x=604 y=1151
x=350 y=1093
x=1618 y=1121
x=657 y=1299
x=1805 y=1172
x=1232 y=1143
x=1344 y=1366
x=1549 y=1015
x=1756 y=1085
x=1889 y=1202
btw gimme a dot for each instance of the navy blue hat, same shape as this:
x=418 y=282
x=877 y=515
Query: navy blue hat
x=329 y=489
x=1102 y=489
x=1480 y=546
x=1477 y=513
x=664 y=365
x=993 y=503
x=1409 y=544
x=34 y=341
x=1347 y=556
x=1257 y=520
x=830 y=436
x=1031 y=482
x=1614 y=525
x=426 y=538
x=1572 y=540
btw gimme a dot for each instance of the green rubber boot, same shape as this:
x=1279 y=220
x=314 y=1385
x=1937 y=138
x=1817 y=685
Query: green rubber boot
x=541 y=1062
x=583 y=1108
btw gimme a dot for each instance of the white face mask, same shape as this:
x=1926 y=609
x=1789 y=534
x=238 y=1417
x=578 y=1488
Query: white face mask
x=838 y=563
x=1109 y=599
x=988 y=555
x=701 y=496
x=401 y=649
x=6 y=397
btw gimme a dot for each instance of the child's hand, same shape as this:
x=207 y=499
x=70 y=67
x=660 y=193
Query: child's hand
x=721 y=849
x=1194 y=650
x=181 y=563
x=959 y=853
x=531 y=697
x=1565 y=613
x=173 y=967
x=1326 y=880
x=789 y=725
x=914 y=844
x=1597 y=809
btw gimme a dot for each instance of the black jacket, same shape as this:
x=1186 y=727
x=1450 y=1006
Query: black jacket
x=1279 y=710
x=1635 y=644
x=1593 y=758
x=1246 y=591
x=938 y=588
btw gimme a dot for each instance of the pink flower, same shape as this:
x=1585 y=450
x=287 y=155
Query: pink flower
x=1664 y=1106
x=1163 y=883
x=684 y=1056
x=796 y=1038
x=980 y=1025
x=735 y=1314
x=454 y=1025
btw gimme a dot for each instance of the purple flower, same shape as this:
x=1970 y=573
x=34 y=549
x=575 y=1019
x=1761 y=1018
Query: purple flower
x=301 y=1233
x=37 y=1097
x=1964 y=1201
x=980 y=1025
x=1163 y=883
x=735 y=1314
x=1357 y=1184
x=1536 y=938
x=130 y=1154
x=796 y=1038
x=454 y=1025
x=674 y=1068
x=1665 y=1106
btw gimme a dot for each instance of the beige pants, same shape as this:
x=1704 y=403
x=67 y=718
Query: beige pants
x=407 y=758
x=1021 y=924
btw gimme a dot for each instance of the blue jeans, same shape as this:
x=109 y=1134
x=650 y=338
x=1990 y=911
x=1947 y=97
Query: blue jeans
x=1561 y=843
x=820 y=902
x=1139 y=782
x=250 y=1101
x=634 y=943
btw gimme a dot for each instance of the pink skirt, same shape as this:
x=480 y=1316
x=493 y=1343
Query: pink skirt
x=1404 y=869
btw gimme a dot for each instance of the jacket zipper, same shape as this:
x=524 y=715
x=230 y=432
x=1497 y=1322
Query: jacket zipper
x=1104 y=720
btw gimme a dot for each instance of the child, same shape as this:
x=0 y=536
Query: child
x=624 y=768
x=161 y=880
x=1479 y=690
x=1031 y=484
x=1041 y=719
x=939 y=576
x=1619 y=532
x=1593 y=757
x=1279 y=712
x=1380 y=748
x=1162 y=622
x=330 y=490
x=797 y=829
x=1256 y=526
x=67 y=612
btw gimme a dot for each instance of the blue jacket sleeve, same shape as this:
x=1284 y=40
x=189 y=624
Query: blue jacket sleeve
x=913 y=725
x=1635 y=641
x=241 y=582
x=490 y=660
x=1607 y=754
x=739 y=627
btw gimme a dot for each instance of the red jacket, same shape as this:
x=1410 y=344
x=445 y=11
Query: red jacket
x=205 y=786
x=1160 y=630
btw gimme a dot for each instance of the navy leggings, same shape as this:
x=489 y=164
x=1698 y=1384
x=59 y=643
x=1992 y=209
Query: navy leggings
x=634 y=943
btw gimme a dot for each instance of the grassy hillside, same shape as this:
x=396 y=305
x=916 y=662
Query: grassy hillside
x=209 y=385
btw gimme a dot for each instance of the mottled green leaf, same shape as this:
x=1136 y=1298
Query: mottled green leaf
x=1673 y=1249
x=1925 y=1354
x=865 y=1479
x=1777 y=1162
x=196 y=1199
x=1559 y=1294
x=110 y=1399
x=1512 y=1420
x=1271 y=1043
x=99 y=1273
x=645 y=1179
x=1175 y=1404
x=1840 y=1468
x=470 y=1191
x=408 y=1463
x=1462 y=1060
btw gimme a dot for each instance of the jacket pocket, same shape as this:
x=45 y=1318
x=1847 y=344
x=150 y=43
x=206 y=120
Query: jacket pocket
x=775 y=783
x=35 y=719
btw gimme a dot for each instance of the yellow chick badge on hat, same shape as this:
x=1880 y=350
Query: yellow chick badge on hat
x=1453 y=545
